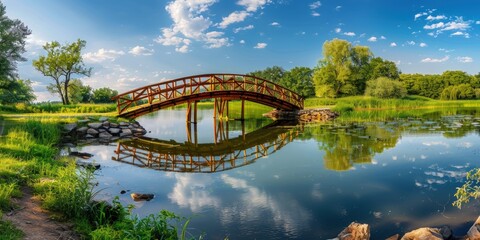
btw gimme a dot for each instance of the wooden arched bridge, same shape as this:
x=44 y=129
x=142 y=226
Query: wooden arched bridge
x=190 y=90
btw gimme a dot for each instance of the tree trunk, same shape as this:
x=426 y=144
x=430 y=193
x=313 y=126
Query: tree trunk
x=67 y=102
x=59 y=87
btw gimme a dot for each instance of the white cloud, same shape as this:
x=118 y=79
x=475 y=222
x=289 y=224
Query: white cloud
x=234 y=17
x=242 y=41
x=33 y=41
x=315 y=5
x=214 y=40
x=102 y=55
x=252 y=5
x=338 y=30
x=350 y=34
x=477 y=22
x=411 y=43
x=372 y=39
x=422 y=44
x=260 y=45
x=435 y=60
x=383 y=37
x=315 y=14
x=434 y=26
x=420 y=14
x=275 y=24
x=139 y=50
x=445 y=50
x=436 y=18
x=236 y=30
x=465 y=59
x=189 y=24
x=393 y=44
x=338 y=8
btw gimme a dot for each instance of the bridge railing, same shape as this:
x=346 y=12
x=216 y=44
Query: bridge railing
x=187 y=86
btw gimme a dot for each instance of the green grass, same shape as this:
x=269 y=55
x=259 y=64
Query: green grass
x=29 y=156
x=58 y=108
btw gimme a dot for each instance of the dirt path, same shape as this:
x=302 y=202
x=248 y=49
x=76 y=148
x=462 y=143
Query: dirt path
x=35 y=222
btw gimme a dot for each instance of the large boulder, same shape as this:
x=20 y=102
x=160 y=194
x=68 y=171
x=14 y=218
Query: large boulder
x=355 y=231
x=429 y=234
x=474 y=231
x=95 y=125
x=142 y=196
x=92 y=132
x=105 y=135
x=114 y=131
x=70 y=127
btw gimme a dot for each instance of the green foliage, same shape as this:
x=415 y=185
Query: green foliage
x=383 y=87
x=299 y=80
x=58 y=108
x=60 y=64
x=7 y=191
x=383 y=68
x=12 y=45
x=470 y=189
x=273 y=74
x=462 y=91
x=104 y=95
x=78 y=93
x=17 y=91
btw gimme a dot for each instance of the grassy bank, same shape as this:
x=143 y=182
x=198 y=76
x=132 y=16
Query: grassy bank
x=29 y=157
x=58 y=108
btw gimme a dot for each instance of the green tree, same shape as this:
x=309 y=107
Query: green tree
x=299 y=80
x=383 y=68
x=61 y=64
x=12 y=45
x=454 y=78
x=461 y=91
x=78 y=93
x=104 y=95
x=17 y=91
x=273 y=74
x=342 y=71
x=383 y=87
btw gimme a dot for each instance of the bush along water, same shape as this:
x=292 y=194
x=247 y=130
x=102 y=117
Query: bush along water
x=29 y=156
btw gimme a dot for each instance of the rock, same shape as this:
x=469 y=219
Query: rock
x=123 y=124
x=105 y=135
x=83 y=155
x=114 y=125
x=142 y=196
x=123 y=192
x=139 y=130
x=474 y=231
x=423 y=233
x=446 y=232
x=92 y=132
x=355 y=231
x=95 y=125
x=82 y=130
x=126 y=132
x=70 y=127
x=394 y=237
x=114 y=130
x=106 y=124
x=100 y=130
x=89 y=136
x=306 y=115
x=102 y=119
x=88 y=164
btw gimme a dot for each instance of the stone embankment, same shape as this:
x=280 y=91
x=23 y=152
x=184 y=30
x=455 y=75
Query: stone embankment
x=102 y=129
x=359 y=231
x=305 y=115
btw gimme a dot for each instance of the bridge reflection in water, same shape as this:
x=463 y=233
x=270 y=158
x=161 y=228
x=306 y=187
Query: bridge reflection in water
x=191 y=156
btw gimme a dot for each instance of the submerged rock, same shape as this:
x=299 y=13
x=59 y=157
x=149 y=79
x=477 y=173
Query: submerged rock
x=85 y=164
x=83 y=155
x=306 y=115
x=142 y=196
x=428 y=233
x=474 y=231
x=355 y=231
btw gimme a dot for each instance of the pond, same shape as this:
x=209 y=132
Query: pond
x=259 y=180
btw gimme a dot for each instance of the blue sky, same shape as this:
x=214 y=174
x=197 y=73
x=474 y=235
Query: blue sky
x=134 y=43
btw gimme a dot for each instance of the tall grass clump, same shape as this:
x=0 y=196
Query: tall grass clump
x=8 y=230
x=7 y=191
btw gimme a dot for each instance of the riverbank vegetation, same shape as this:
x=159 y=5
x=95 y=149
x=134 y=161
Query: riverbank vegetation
x=30 y=158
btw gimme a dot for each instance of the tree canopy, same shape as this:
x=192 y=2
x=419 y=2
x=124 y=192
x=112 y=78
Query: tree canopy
x=104 y=95
x=62 y=63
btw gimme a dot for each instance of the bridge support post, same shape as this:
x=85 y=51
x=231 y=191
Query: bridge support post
x=189 y=112
x=242 y=117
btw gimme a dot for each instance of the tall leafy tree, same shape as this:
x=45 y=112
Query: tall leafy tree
x=104 y=95
x=273 y=74
x=383 y=68
x=79 y=93
x=299 y=80
x=12 y=45
x=61 y=64
x=343 y=69
x=17 y=91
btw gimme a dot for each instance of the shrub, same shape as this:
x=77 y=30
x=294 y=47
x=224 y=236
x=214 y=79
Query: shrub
x=383 y=87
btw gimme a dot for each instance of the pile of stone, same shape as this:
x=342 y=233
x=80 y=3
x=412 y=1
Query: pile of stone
x=305 y=115
x=359 y=231
x=103 y=129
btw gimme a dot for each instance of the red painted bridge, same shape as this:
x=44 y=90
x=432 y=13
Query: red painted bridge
x=191 y=89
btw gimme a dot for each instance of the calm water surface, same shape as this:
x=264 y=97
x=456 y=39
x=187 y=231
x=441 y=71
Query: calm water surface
x=307 y=182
